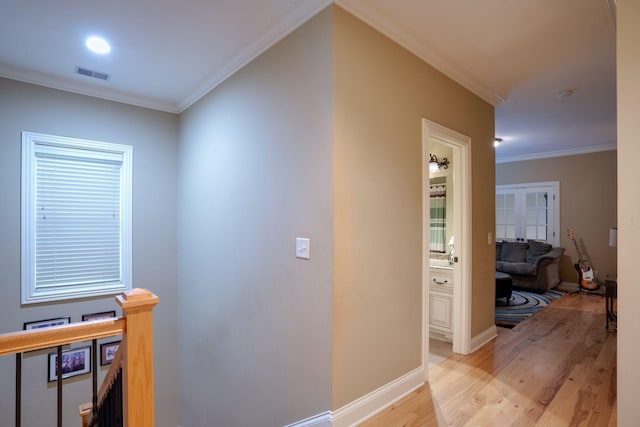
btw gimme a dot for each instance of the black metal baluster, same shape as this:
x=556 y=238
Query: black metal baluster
x=119 y=403
x=18 y=388
x=59 y=377
x=94 y=401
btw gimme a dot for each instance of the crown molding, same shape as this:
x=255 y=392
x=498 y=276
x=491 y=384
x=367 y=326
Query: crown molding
x=298 y=14
x=381 y=22
x=559 y=153
x=75 y=86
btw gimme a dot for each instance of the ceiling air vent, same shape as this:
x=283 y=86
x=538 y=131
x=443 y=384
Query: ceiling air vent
x=91 y=73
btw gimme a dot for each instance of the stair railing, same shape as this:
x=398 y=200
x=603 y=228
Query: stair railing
x=135 y=354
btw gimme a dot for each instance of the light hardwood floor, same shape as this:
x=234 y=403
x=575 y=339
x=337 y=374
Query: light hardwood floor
x=556 y=369
x=439 y=351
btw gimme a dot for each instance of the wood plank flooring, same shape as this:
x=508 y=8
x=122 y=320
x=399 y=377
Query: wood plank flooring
x=557 y=368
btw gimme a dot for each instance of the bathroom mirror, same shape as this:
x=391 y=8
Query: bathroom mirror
x=441 y=239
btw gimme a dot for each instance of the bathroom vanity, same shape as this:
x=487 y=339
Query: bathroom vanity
x=441 y=300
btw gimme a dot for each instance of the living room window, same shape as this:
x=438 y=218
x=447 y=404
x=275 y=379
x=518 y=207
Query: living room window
x=76 y=218
x=528 y=212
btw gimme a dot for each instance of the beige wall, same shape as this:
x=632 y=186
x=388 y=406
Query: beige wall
x=154 y=136
x=255 y=171
x=628 y=36
x=588 y=203
x=382 y=92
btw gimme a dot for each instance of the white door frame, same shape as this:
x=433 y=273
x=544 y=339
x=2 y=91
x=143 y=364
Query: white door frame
x=462 y=225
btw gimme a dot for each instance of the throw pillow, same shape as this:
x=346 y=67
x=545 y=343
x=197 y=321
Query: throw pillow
x=514 y=251
x=536 y=249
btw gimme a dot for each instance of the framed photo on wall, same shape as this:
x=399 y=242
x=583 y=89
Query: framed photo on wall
x=38 y=324
x=99 y=316
x=108 y=352
x=76 y=361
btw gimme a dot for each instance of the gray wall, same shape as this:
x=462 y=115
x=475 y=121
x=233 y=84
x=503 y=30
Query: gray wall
x=154 y=136
x=255 y=168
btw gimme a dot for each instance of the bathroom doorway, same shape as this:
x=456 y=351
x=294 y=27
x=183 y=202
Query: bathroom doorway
x=446 y=249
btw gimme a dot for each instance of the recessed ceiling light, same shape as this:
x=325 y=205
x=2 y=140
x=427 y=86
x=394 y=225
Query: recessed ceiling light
x=98 y=45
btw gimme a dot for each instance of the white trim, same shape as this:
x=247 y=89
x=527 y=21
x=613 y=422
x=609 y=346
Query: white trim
x=320 y=420
x=36 y=142
x=554 y=189
x=81 y=88
x=374 y=402
x=483 y=337
x=298 y=14
x=366 y=12
x=462 y=271
x=559 y=153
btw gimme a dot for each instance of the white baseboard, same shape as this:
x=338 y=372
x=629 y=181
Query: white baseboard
x=321 y=420
x=380 y=399
x=483 y=337
x=374 y=402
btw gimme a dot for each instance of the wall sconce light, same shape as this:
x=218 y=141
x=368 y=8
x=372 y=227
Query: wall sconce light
x=434 y=164
x=497 y=141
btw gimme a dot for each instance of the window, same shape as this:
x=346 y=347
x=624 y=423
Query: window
x=527 y=212
x=76 y=218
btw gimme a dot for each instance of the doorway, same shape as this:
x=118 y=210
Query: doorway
x=442 y=300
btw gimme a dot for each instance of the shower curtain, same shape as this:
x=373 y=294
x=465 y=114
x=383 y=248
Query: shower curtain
x=437 y=218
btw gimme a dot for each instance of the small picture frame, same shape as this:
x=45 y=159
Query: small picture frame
x=99 y=316
x=76 y=361
x=47 y=323
x=108 y=352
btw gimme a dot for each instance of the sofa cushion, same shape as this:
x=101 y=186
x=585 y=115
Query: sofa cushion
x=519 y=268
x=498 y=250
x=513 y=252
x=536 y=249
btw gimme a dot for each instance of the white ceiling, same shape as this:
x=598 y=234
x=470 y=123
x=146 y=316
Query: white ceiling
x=166 y=54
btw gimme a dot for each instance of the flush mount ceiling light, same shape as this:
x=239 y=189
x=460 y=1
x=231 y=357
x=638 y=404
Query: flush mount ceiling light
x=98 y=45
x=497 y=141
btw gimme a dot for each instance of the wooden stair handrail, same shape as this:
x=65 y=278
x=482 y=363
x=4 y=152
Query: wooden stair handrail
x=136 y=357
x=23 y=341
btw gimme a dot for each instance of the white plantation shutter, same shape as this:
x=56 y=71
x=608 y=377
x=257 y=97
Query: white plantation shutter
x=76 y=216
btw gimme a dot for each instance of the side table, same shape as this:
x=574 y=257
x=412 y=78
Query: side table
x=611 y=293
x=503 y=286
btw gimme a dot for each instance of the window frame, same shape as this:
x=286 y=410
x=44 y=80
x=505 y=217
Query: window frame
x=32 y=143
x=520 y=191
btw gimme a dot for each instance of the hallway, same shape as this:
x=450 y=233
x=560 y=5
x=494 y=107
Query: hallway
x=556 y=369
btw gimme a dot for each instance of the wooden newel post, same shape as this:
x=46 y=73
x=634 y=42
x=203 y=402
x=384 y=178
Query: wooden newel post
x=137 y=370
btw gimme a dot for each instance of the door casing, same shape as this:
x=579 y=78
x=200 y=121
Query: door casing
x=462 y=228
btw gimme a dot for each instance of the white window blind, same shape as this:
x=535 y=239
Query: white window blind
x=76 y=216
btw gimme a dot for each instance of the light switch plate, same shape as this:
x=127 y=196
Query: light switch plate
x=302 y=248
x=489 y=238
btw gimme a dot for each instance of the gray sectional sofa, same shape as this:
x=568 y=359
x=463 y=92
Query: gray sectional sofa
x=533 y=265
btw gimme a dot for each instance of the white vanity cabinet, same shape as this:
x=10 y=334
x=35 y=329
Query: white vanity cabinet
x=441 y=303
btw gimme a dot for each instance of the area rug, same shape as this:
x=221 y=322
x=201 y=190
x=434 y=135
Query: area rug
x=523 y=305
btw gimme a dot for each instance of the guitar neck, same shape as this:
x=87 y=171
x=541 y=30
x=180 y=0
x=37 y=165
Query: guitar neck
x=581 y=259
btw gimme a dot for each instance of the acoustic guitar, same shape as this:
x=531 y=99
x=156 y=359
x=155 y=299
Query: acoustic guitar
x=585 y=272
